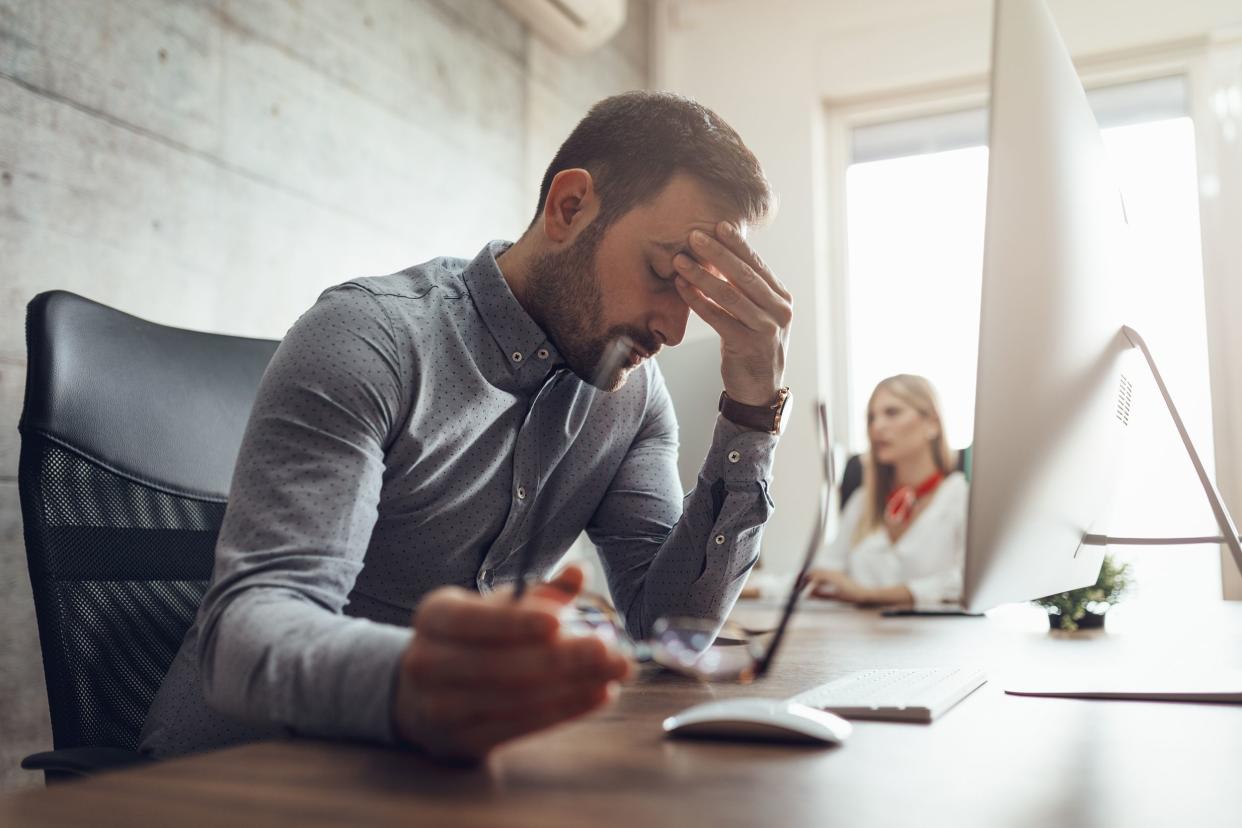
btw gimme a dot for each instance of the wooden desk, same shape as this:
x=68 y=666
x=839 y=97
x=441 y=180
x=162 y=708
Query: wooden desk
x=995 y=760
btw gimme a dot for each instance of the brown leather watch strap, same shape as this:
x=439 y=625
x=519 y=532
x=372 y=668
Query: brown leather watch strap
x=767 y=418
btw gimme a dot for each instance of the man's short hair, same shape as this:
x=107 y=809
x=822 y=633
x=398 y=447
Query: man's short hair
x=633 y=143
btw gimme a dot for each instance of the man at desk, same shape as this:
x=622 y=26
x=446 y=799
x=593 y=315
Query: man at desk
x=415 y=431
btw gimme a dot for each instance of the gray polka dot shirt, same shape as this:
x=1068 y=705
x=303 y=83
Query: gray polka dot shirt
x=413 y=431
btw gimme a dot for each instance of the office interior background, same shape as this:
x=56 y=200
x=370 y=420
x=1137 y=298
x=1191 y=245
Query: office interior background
x=214 y=165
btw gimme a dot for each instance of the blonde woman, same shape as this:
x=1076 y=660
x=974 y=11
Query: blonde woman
x=903 y=534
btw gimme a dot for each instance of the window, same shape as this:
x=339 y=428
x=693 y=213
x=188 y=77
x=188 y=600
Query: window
x=916 y=196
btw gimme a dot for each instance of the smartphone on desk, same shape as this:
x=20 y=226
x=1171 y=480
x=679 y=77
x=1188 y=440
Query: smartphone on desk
x=932 y=612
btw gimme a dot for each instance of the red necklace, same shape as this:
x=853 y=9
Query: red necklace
x=902 y=501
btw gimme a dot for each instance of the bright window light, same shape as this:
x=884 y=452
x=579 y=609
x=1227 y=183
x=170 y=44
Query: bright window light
x=915 y=228
x=915 y=245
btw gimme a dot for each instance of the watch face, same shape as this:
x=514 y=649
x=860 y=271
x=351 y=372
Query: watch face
x=779 y=410
x=781 y=401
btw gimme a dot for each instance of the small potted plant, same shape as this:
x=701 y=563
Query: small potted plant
x=1084 y=608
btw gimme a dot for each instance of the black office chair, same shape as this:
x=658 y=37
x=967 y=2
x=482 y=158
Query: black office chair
x=129 y=435
x=851 y=478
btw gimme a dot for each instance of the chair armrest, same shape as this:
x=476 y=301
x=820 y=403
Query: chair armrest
x=81 y=761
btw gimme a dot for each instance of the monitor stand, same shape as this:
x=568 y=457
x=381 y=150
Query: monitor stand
x=1228 y=529
x=1220 y=686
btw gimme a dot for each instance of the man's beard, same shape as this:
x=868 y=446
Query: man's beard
x=564 y=293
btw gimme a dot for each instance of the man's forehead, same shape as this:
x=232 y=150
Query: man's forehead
x=684 y=204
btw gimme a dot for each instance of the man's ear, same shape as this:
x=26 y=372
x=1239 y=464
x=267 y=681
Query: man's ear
x=571 y=205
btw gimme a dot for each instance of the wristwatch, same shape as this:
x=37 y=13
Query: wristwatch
x=767 y=418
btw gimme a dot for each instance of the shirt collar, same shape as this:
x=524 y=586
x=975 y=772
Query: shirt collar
x=528 y=353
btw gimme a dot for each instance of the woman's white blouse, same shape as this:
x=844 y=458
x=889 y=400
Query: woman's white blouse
x=927 y=559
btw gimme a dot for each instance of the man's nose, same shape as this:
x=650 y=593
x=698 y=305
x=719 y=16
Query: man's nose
x=670 y=324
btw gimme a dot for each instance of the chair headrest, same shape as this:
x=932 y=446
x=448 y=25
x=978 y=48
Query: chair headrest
x=163 y=405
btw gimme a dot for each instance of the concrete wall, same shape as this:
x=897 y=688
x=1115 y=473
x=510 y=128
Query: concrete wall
x=215 y=164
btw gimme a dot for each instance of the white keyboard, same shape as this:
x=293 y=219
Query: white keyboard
x=917 y=695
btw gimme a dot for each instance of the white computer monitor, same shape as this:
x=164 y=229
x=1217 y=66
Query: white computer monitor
x=1053 y=394
x=1056 y=361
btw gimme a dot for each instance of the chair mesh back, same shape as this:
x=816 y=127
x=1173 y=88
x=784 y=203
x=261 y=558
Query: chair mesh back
x=118 y=570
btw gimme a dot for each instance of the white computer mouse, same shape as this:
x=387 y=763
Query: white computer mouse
x=759 y=720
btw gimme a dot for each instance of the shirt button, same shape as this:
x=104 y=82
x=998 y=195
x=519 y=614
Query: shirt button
x=517 y=356
x=521 y=492
x=734 y=456
x=720 y=539
x=542 y=353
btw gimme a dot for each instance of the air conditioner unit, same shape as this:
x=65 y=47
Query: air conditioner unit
x=573 y=26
